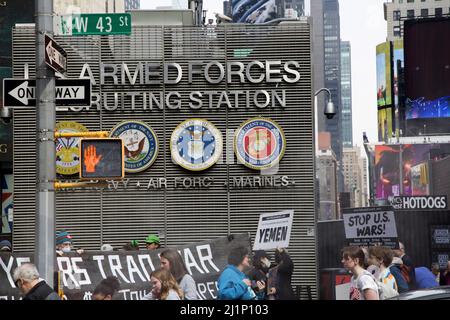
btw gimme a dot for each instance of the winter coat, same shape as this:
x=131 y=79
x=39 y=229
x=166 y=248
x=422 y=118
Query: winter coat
x=41 y=291
x=284 y=277
x=232 y=287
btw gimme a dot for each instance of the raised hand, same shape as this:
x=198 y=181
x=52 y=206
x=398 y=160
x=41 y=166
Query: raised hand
x=91 y=159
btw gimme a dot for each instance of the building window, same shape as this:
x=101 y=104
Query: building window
x=424 y=12
x=397 y=31
x=410 y=14
x=410 y=1
x=438 y=12
x=397 y=15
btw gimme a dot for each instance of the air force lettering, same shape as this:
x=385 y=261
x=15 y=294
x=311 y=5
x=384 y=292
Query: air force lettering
x=196 y=144
x=140 y=144
x=259 y=143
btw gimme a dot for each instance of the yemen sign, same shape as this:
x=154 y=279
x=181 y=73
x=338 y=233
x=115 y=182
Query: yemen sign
x=68 y=92
x=80 y=274
x=274 y=230
x=370 y=226
x=55 y=56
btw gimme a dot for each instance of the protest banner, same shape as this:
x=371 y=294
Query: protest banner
x=80 y=274
x=274 y=230
x=370 y=226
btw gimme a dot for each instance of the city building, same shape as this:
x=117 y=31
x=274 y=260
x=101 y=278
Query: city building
x=346 y=94
x=227 y=8
x=132 y=4
x=327 y=67
x=327 y=179
x=395 y=11
x=264 y=10
x=355 y=175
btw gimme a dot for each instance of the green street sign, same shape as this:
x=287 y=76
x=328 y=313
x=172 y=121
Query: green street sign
x=94 y=24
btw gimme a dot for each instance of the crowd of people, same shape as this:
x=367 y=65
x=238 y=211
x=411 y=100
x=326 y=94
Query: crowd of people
x=380 y=273
x=244 y=278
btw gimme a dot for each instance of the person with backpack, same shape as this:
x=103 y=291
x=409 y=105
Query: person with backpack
x=362 y=285
x=382 y=258
x=408 y=267
x=395 y=268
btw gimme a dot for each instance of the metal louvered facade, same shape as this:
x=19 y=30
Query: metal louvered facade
x=179 y=215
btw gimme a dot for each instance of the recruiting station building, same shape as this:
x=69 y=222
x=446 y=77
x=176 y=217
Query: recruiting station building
x=157 y=76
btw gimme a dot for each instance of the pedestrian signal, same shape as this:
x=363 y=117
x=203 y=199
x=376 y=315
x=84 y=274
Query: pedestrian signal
x=101 y=159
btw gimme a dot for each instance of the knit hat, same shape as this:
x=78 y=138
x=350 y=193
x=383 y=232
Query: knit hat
x=5 y=245
x=152 y=239
x=62 y=237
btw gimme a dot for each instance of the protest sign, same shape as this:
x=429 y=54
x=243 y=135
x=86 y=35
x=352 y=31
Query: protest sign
x=370 y=226
x=274 y=230
x=82 y=273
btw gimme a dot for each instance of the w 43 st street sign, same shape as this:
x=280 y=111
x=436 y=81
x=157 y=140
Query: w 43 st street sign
x=93 y=24
x=68 y=92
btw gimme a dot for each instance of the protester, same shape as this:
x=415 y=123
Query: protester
x=164 y=287
x=362 y=284
x=26 y=278
x=107 y=247
x=382 y=258
x=272 y=282
x=407 y=268
x=152 y=242
x=425 y=278
x=395 y=268
x=64 y=243
x=436 y=270
x=5 y=246
x=106 y=289
x=133 y=245
x=233 y=284
x=445 y=276
x=259 y=273
x=171 y=261
x=285 y=268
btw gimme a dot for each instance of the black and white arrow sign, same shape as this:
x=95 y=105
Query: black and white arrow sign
x=68 y=92
x=55 y=56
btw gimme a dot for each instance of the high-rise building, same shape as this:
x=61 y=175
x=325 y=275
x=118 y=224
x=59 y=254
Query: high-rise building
x=227 y=8
x=294 y=8
x=355 y=176
x=132 y=4
x=88 y=6
x=264 y=10
x=327 y=66
x=346 y=94
x=397 y=10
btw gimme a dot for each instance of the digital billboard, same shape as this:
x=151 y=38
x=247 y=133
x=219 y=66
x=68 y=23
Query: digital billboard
x=387 y=168
x=253 y=11
x=384 y=124
x=427 y=79
x=384 y=94
x=398 y=64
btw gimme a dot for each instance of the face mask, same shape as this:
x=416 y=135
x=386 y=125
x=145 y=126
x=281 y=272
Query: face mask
x=265 y=263
x=65 y=249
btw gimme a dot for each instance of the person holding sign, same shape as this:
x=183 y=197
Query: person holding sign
x=363 y=285
x=233 y=283
x=284 y=269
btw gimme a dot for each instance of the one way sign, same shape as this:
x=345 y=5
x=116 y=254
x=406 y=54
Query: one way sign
x=68 y=92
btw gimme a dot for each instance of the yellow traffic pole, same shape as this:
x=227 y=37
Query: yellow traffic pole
x=71 y=185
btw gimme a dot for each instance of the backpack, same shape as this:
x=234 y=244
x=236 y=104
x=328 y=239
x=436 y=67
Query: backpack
x=404 y=269
x=385 y=291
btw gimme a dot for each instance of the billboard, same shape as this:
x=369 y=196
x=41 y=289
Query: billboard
x=253 y=11
x=384 y=94
x=426 y=80
x=384 y=124
x=387 y=168
x=398 y=64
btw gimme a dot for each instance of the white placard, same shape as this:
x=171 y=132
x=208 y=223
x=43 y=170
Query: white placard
x=274 y=230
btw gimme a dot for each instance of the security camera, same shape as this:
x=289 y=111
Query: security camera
x=6 y=114
x=330 y=110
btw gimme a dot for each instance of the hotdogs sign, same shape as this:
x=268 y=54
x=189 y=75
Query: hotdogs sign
x=150 y=75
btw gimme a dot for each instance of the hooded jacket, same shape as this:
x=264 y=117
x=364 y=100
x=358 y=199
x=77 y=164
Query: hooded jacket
x=232 y=287
x=41 y=291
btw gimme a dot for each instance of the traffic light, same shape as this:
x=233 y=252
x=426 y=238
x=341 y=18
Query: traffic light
x=101 y=159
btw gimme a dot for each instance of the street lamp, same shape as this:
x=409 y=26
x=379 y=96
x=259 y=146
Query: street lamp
x=330 y=110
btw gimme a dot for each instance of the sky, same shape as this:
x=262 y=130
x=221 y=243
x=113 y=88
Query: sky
x=363 y=24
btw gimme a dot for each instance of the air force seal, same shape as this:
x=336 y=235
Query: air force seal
x=259 y=143
x=140 y=144
x=196 y=144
